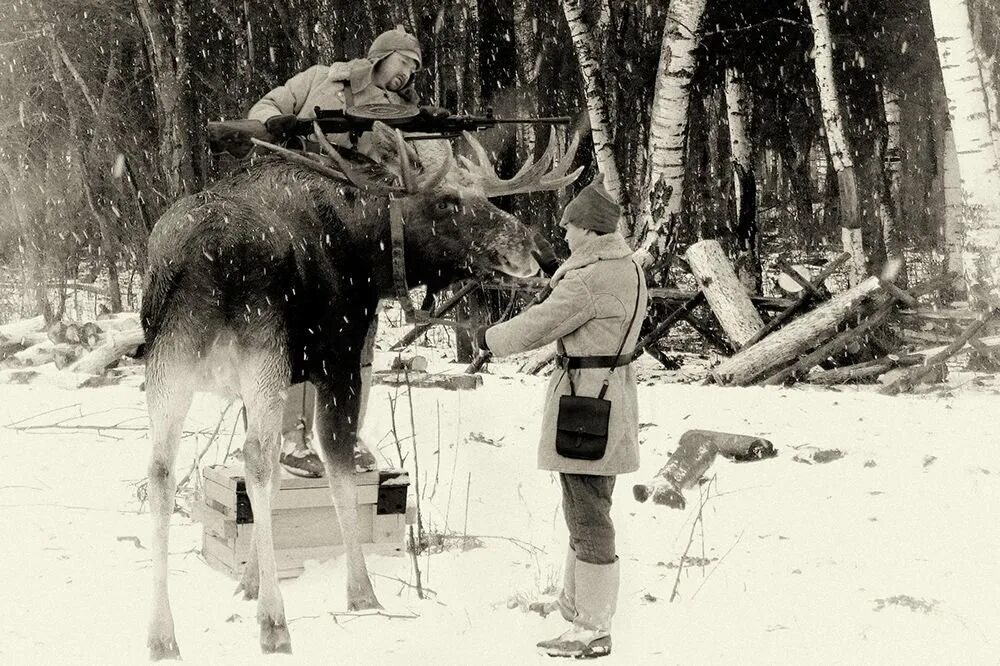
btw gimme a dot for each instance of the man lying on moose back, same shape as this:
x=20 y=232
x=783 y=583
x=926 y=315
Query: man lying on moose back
x=385 y=76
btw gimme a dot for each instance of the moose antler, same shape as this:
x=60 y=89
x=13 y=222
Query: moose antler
x=418 y=182
x=354 y=175
x=547 y=173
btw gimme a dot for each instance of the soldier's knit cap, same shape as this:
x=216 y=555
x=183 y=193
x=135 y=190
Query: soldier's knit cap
x=593 y=208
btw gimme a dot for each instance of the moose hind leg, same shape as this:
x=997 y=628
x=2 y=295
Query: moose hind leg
x=249 y=583
x=168 y=398
x=336 y=427
x=261 y=387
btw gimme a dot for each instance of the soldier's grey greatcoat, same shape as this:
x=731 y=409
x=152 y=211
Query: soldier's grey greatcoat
x=593 y=297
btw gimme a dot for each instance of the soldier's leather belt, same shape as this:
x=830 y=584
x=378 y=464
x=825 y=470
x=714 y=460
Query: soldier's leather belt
x=579 y=362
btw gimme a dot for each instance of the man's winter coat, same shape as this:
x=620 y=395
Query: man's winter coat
x=588 y=312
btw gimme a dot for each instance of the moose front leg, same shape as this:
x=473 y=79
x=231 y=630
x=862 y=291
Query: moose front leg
x=336 y=427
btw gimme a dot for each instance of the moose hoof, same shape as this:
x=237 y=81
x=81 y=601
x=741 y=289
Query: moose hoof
x=163 y=648
x=274 y=638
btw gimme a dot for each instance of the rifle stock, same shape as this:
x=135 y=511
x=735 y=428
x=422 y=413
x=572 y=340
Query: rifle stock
x=233 y=136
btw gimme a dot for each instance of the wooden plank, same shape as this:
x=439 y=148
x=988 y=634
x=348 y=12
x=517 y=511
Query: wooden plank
x=389 y=528
x=290 y=498
x=220 y=549
x=214 y=522
x=220 y=566
x=221 y=496
x=230 y=476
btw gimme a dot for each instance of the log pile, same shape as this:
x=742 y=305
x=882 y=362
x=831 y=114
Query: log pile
x=67 y=353
x=838 y=339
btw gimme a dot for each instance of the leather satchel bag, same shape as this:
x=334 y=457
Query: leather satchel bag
x=582 y=421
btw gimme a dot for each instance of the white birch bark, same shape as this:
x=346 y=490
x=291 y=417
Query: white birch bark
x=744 y=180
x=890 y=211
x=952 y=186
x=890 y=101
x=738 y=115
x=603 y=19
x=977 y=156
x=528 y=66
x=661 y=201
x=586 y=54
x=840 y=153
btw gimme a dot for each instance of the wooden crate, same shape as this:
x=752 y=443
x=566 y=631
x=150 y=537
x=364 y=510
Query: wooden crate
x=304 y=522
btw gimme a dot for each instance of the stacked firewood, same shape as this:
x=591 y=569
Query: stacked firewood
x=80 y=352
x=824 y=339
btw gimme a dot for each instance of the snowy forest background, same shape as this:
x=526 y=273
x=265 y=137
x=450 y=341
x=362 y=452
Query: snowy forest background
x=103 y=107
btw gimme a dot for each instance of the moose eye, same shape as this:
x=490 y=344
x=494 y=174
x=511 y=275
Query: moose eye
x=445 y=206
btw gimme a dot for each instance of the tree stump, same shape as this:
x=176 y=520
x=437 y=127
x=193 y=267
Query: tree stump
x=726 y=295
x=794 y=339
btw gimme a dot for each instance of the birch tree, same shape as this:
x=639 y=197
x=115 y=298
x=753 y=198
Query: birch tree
x=977 y=156
x=660 y=206
x=744 y=227
x=585 y=46
x=887 y=191
x=952 y=186
x=840 y=153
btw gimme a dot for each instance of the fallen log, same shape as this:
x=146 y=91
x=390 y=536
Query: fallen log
x=35 y=355
x=694 y=454
x=8 y=348
x=726 y=295
x=16 y=330
x=66 y=353
x=122 y=321
x=795 y=339
x=907 y=381
x=804 y=298
x=449 y=382
x=868 y=371
x=842 y=339
x=116 y=345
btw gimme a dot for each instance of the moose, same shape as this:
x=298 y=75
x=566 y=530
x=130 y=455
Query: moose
x=272 y=276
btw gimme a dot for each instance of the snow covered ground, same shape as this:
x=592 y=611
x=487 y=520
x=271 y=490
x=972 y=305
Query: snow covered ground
x=889 y=554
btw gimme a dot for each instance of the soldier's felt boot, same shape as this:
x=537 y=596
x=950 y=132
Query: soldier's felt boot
x=566 y=603
x=596 y=599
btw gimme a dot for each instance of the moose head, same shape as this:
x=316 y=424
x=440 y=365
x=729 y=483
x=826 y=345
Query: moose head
x=449 y=219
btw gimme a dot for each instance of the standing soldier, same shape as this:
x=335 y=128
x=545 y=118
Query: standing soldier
x=594 y=314
x=384 y=76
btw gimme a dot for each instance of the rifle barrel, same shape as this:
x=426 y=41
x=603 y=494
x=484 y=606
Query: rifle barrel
x=552 y=120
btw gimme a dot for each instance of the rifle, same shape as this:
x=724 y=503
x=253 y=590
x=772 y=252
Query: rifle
x=233 y=136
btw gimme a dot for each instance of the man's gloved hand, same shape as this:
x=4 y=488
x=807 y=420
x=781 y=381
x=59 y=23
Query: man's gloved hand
x=434 y=112
x=544 y=254
x=480 y=338
x=548 y=262
x=281 y=127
